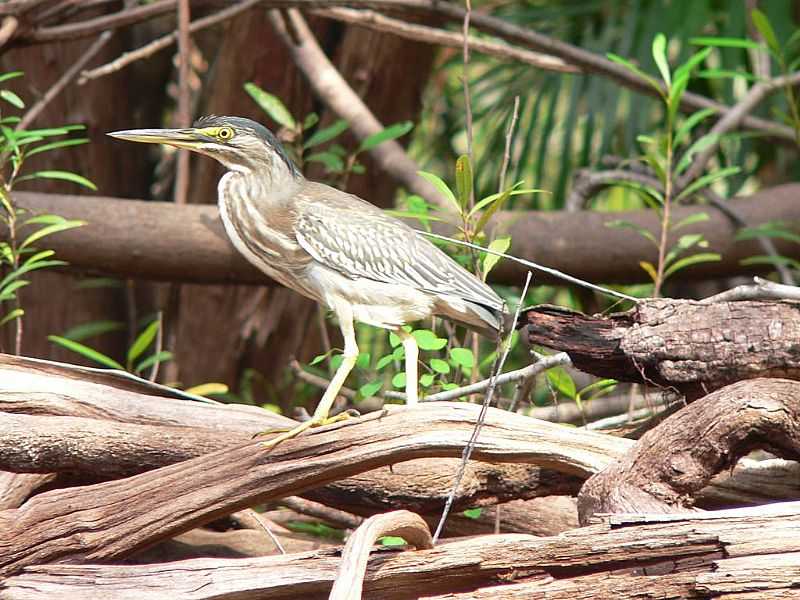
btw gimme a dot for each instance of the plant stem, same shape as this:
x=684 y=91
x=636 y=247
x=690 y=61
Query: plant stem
x=665 y=215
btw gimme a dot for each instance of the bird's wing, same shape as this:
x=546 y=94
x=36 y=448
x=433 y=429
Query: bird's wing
x=357 y=239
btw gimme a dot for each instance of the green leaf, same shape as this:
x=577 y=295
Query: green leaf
x=426 y=379
x=383 y=361
x=441 y=186
x=390 y=133
x=42 y=264
x=707 y=180
x=333 y=163
x=162 y=357
x=500 y=244
x=726 y=74
x=55 y=146
x=660 y=56
x=89 y=353
x=642 y=231
x=143 y=341
x=362 y=360
x=691 y=260
x=771 y=260
x=62 y=175
x=326 y=134
x=10 y=75
x=463 y=182
x=691 y=220
x=561 y=381
x=91 y=329
x=767 y=32
x=320 y=357
x=49 y=230
x=698 y=146
x=370 y=389
x=634 y=69
x=772 y=229
x=683 y=131
x=15 y=313
x=207 y=389
x=399 y=380
x=12 y=98
x=311 y=120
x=725 y=42
x=391 y=541
x=428 y=340
x=9 y=292
x=271 y=105
x=336 y=361
x=463 y=357
x=649 y=269
x=472 y=513
x=440 y=366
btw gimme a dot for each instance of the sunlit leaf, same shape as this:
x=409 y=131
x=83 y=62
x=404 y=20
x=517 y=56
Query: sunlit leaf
x=725 y=42
x=691 y=220
x=370 y=389
x=473 y=513
x=500 y=244
x=12 y=98
x=271 y=105
x=426 y=379
x=390 y=133
x=764 y=27
x=89 y=353
x=440 y=366
x=61 y=175
x=691 y=260
x=383 y=362
x=649 y=269
x=49 y=230
x=391 y=541
x=441 y=186
x=463 y=181
x=55 y=146
x=399 y=380
x=561 y=381
x=143 y=341
x=207 y=389
x=428 y=340
x=707 y=180
x=15 y=313
x=685 y=128
x=463 y=357
x=326 y=134
x=698 y=146
x=660 y=57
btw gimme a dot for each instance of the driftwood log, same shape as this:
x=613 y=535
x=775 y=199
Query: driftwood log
x=752 y=550
x=686 y=345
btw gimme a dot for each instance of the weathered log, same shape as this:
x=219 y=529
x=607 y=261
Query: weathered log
x=164 y=241
x=660 y=553
x=15 y=488
x=671 y=462
x=692 y=347
x=113 y=519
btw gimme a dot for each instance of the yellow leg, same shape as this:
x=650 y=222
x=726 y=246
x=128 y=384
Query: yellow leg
x=320 y=416
x=412 y=357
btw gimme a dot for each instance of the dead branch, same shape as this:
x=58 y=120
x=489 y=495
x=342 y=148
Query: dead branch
x=350 y=579
x=15 y=488
x=432 y=35
x=671 y=462
x=333 y=89
x=683 y=344
x=645 y=554
x=130 y=514
x=162 y=241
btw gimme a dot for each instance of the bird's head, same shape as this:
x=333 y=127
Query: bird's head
x=239 y=144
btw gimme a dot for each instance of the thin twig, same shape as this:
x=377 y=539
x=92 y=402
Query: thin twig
x=556 y=360
x=184 y=116
x=433 y=35
x=318 y=381
x=732 y=120
x=479 y=421
x=535 y=266
x=262 y=522
x=164 y=42
x=331 y=516
x=8 y=29
x=54 y=90
x=159 y=345
x=465 y=86
x=762 y=290
x=507 y=150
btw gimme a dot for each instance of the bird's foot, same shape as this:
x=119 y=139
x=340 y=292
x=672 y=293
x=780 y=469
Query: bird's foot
x=312 y=422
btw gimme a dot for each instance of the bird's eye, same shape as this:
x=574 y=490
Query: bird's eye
x=225 y=133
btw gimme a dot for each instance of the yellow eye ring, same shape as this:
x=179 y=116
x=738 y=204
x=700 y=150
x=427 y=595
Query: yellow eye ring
x=225 y=133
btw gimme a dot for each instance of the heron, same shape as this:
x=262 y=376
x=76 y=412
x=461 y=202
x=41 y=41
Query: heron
x=333 y=247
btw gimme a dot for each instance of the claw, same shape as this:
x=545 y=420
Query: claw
x=289 y=434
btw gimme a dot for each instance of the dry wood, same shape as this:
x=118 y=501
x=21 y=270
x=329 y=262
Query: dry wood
x=670 y=551
x=15 y=488
x=162 y=241
x=119 y=517
x=671 y=462
x=683 y=344
x=350 y=579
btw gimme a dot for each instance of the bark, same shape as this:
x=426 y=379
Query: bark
x=671 y=462
x=119 y=517
x=162 y=241
x=686 y=345
x=656 y=556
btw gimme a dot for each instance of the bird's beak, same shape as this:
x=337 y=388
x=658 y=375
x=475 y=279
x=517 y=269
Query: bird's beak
x=180 y=138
